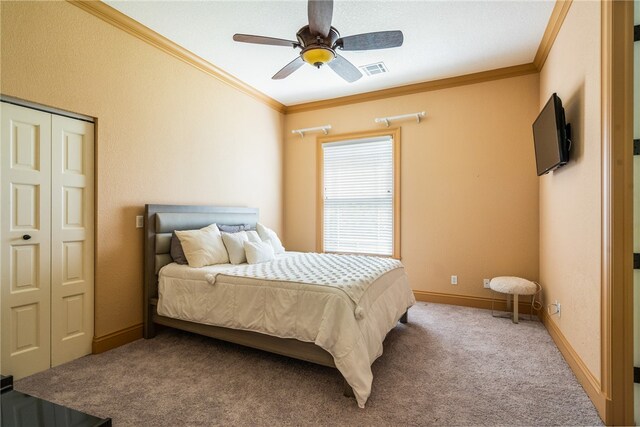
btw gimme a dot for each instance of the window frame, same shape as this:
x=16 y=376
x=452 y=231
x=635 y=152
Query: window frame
x=394 y=134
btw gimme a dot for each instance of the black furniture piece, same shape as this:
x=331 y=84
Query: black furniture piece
x=6 y=383
x=22 y=410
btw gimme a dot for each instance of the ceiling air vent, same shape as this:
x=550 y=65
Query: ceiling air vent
x=373 y=69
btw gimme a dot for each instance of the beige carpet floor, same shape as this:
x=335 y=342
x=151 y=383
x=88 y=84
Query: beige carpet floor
x=448 y=366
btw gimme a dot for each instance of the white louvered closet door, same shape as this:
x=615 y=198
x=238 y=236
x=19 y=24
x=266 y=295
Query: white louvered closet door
x=46 y=166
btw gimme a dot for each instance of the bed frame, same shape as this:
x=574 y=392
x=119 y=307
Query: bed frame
x=160 y=222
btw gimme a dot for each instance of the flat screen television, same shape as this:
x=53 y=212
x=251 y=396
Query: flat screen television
x=551 y=137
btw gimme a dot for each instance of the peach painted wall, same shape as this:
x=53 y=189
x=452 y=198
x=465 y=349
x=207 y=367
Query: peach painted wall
x=166 y=133
x=469 y=191
x=570 y=198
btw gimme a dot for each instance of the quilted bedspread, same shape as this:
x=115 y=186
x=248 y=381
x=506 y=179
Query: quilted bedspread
x=353 y=274
x=345 y=304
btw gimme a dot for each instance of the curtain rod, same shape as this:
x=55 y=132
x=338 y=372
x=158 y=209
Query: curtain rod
x=301 y=132
x=386 y=120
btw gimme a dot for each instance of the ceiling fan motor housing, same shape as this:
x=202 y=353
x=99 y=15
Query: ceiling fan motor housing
x=317 y=50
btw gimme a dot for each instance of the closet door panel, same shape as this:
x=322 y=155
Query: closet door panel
x=71 y=239
x=25 y=172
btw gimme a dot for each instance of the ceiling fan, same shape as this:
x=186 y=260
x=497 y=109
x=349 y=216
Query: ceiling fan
x=319 y=41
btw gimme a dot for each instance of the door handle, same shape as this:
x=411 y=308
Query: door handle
x=26 y=237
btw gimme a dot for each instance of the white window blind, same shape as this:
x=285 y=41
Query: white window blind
x=358 y=196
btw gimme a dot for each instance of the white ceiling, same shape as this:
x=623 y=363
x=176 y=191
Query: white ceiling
x=441 y=39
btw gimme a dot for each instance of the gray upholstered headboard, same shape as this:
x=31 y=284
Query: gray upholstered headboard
x=161 y=220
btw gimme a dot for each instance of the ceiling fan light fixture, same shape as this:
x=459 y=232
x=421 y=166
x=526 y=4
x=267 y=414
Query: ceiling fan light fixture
x=318 y=55
x=319 y=41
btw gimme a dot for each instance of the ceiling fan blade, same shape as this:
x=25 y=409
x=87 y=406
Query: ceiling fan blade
x=371 y=41
x=288 y=69
x=320 y=13
x=345 y=69
x=248 y=38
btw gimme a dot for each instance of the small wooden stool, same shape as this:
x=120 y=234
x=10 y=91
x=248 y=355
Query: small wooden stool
x=513 y=286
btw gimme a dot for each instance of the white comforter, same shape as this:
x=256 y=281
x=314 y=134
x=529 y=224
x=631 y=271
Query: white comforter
x=344 y=304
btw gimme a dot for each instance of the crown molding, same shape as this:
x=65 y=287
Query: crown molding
x=120 y=20
x=556 y=20
x=114 y=17
x=483 y=76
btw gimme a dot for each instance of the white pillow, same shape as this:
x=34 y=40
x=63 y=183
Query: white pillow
x=253 y=236
x=234 y=243
x=258 y=252
x=203 y=247
x=268 y=234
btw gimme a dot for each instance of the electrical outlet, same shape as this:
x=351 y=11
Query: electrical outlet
x=139 y=221
x=554 y=308
x=454 y=280
x=485 y=282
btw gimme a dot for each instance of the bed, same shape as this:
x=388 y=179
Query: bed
x=273 y=306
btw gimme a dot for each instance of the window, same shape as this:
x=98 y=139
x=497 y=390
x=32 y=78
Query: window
x=359 y=194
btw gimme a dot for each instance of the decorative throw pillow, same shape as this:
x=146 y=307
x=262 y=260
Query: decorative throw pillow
x=258 y=252
x=235 y=248
x=203 y=247
x=233 y=228
x=253 y=236
x=176 y=250
x=268 y=234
